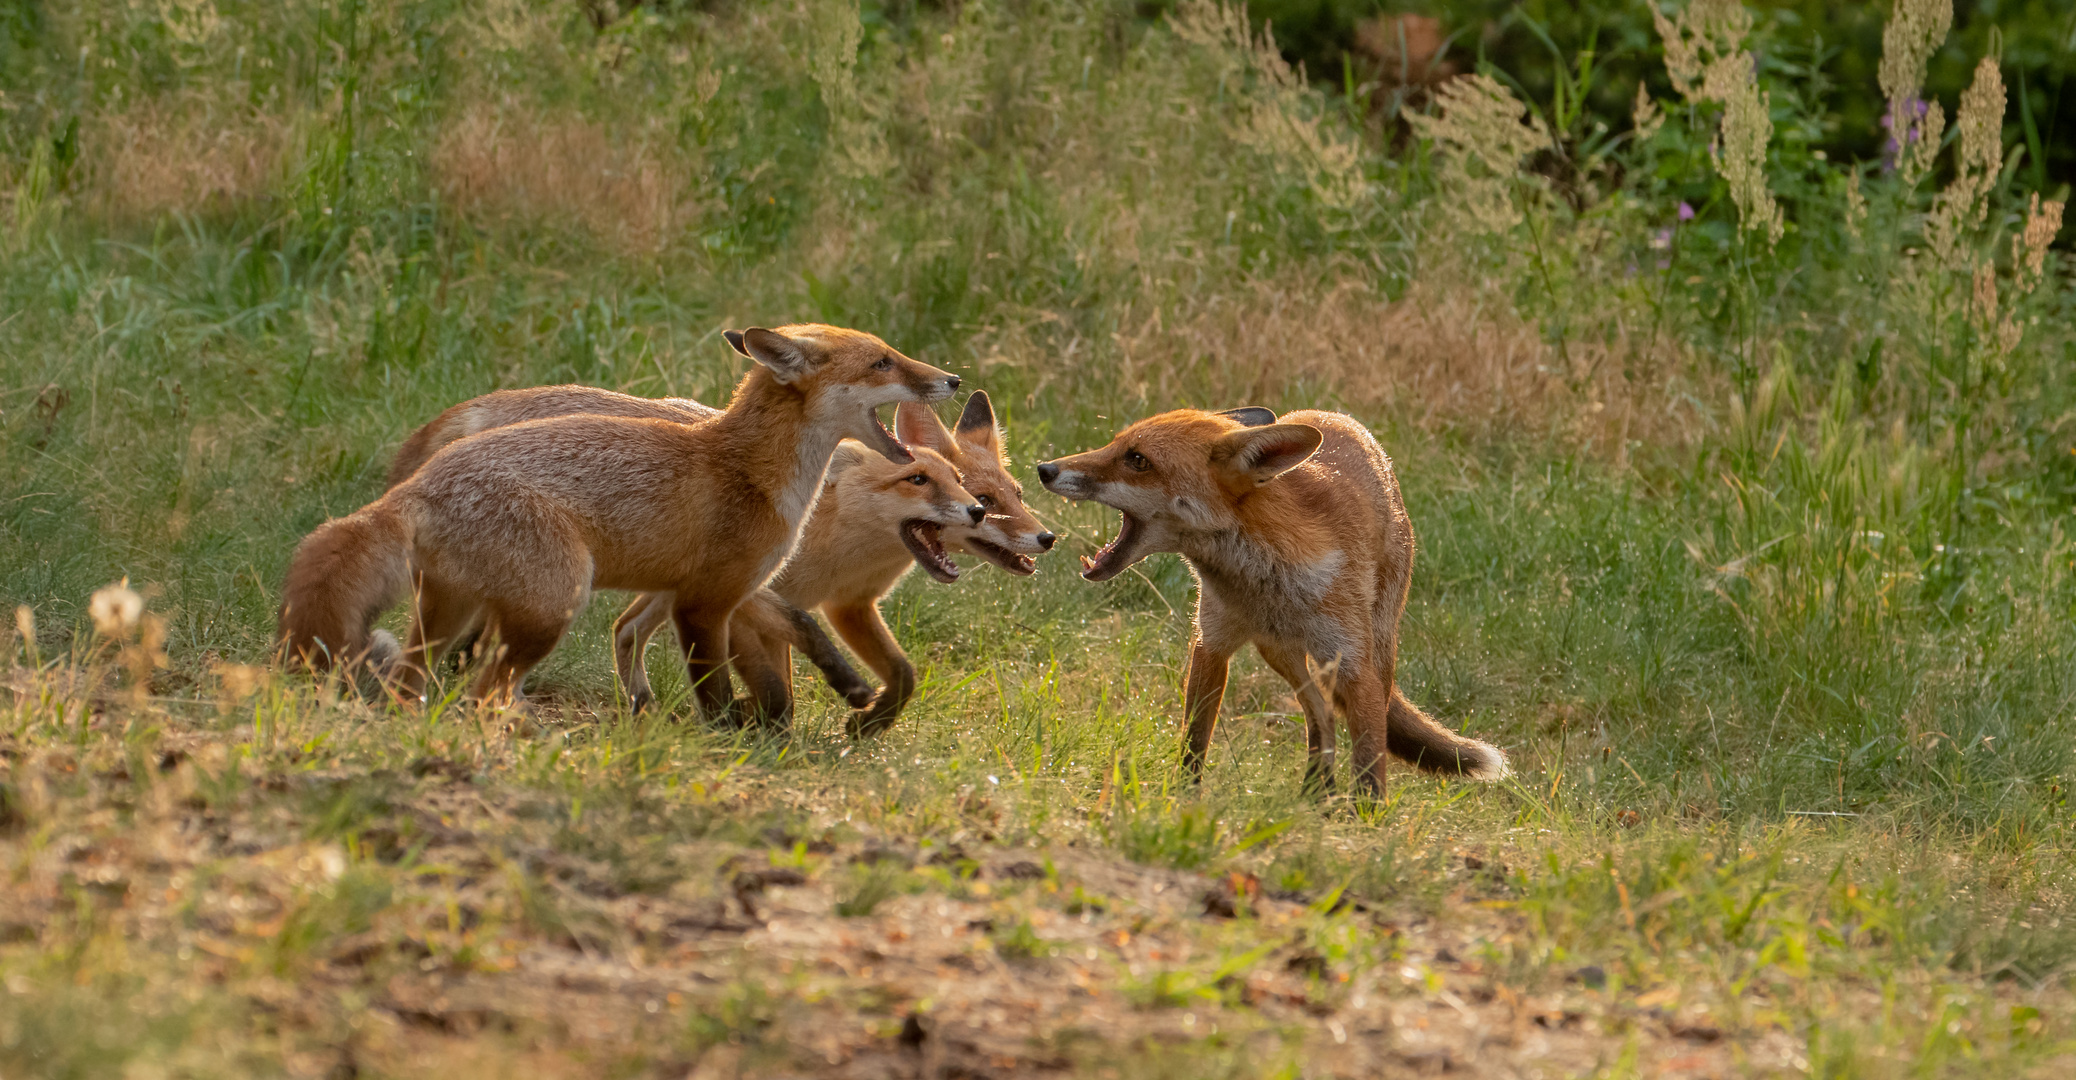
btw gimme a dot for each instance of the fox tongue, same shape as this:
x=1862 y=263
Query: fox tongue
x=1116 y=555
x=928 y=552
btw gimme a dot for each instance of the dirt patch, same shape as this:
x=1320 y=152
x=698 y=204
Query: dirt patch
x=456 y=923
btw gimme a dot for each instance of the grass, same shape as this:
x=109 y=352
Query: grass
x=1755 y=559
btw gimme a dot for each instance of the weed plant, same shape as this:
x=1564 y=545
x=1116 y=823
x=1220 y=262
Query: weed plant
x=1742 y=475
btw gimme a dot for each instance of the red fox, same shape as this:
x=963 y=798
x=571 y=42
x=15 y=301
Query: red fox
x=504 y=407
x=859 y=543
x=861 y=538
x=1300 y=544
x=514 y=527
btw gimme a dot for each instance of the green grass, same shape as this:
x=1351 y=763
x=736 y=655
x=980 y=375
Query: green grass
x=1756 y=563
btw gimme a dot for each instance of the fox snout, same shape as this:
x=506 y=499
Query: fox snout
x=977 y=513
x=935 y=386
x=1063 y=482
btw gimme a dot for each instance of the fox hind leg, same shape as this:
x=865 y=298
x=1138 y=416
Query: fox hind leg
x=1306 y=683
x=1365 y=699
x=631 y=634
x=703 y=634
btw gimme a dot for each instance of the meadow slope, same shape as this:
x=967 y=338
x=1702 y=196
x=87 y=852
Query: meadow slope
x=1742 y=475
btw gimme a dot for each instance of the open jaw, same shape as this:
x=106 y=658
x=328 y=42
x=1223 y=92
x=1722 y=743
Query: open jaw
x=1021 y=565
x=1120 y=552
x=884 y=441
x=923 y=543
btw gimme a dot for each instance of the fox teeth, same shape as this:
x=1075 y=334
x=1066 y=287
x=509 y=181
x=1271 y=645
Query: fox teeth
x=1087 y=563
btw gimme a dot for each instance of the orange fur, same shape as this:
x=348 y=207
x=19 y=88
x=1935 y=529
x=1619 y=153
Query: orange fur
x=1300 y=544
x=512 y=528
x=851 y=553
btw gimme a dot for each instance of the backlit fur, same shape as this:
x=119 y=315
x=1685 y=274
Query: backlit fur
x=515 y=526
x=1305 y=553
x=850 y=553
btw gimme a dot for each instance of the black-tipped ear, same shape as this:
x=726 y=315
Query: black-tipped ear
x=979 y=414
x=785 y=358
x=1251 y=415
x=735 y=339
x=977 y=425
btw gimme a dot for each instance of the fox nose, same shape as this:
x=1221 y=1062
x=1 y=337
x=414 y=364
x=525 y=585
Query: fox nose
x=977 y=512
x=1045 y=541
x=1048 y=471
x=951 y=382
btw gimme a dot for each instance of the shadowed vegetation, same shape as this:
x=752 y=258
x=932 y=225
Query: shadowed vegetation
x=1741 y=448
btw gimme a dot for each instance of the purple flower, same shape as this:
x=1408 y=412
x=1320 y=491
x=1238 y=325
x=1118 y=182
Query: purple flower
x=1914 y=110
x=1686 y=212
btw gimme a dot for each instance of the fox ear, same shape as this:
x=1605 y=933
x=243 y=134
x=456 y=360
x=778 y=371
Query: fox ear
x=1254 y=456
x=977 y=424
x=916 y=424
x=735 y=341
x=786 y=358
x=1251 y=416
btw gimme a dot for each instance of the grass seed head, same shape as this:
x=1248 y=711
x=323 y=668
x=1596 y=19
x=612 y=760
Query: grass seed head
x=1482 y=139
x=1739 y=150
x=1915 y=30
x=1646 y=115
x=2029 y=247
x=1697 y=40
x=114 y=609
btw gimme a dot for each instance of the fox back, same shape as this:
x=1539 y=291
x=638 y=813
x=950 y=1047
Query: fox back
x=505 y=407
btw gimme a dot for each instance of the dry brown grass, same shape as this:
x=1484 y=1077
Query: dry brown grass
x=160 y=156
x=1443 y=357
x=630 y=189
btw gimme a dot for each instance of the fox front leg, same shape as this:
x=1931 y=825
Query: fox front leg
x=1203 y=691
x=862 y=628
x=813 y=643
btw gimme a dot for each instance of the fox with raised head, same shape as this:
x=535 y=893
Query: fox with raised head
x=1300 y=544
x=865 y=532
x=859 y=543
x=512 y=528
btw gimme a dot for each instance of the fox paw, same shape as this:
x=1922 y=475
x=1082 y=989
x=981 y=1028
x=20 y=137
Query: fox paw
x=866 y=723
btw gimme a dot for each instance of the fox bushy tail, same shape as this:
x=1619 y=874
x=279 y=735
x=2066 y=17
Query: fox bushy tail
x=340 y=579
x=1421 y=741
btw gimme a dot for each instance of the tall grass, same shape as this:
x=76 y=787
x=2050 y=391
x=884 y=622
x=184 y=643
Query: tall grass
x=1742 y=474
x=255 y=244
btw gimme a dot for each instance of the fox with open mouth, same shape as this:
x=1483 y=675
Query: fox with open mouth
x=1300 y=544
x=508 y=530
x=873 y=519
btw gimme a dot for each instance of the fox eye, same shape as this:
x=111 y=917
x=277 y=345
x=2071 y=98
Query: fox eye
x=919 y=479
x=884 y=363
x=1136 y=461
x=985 y=500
